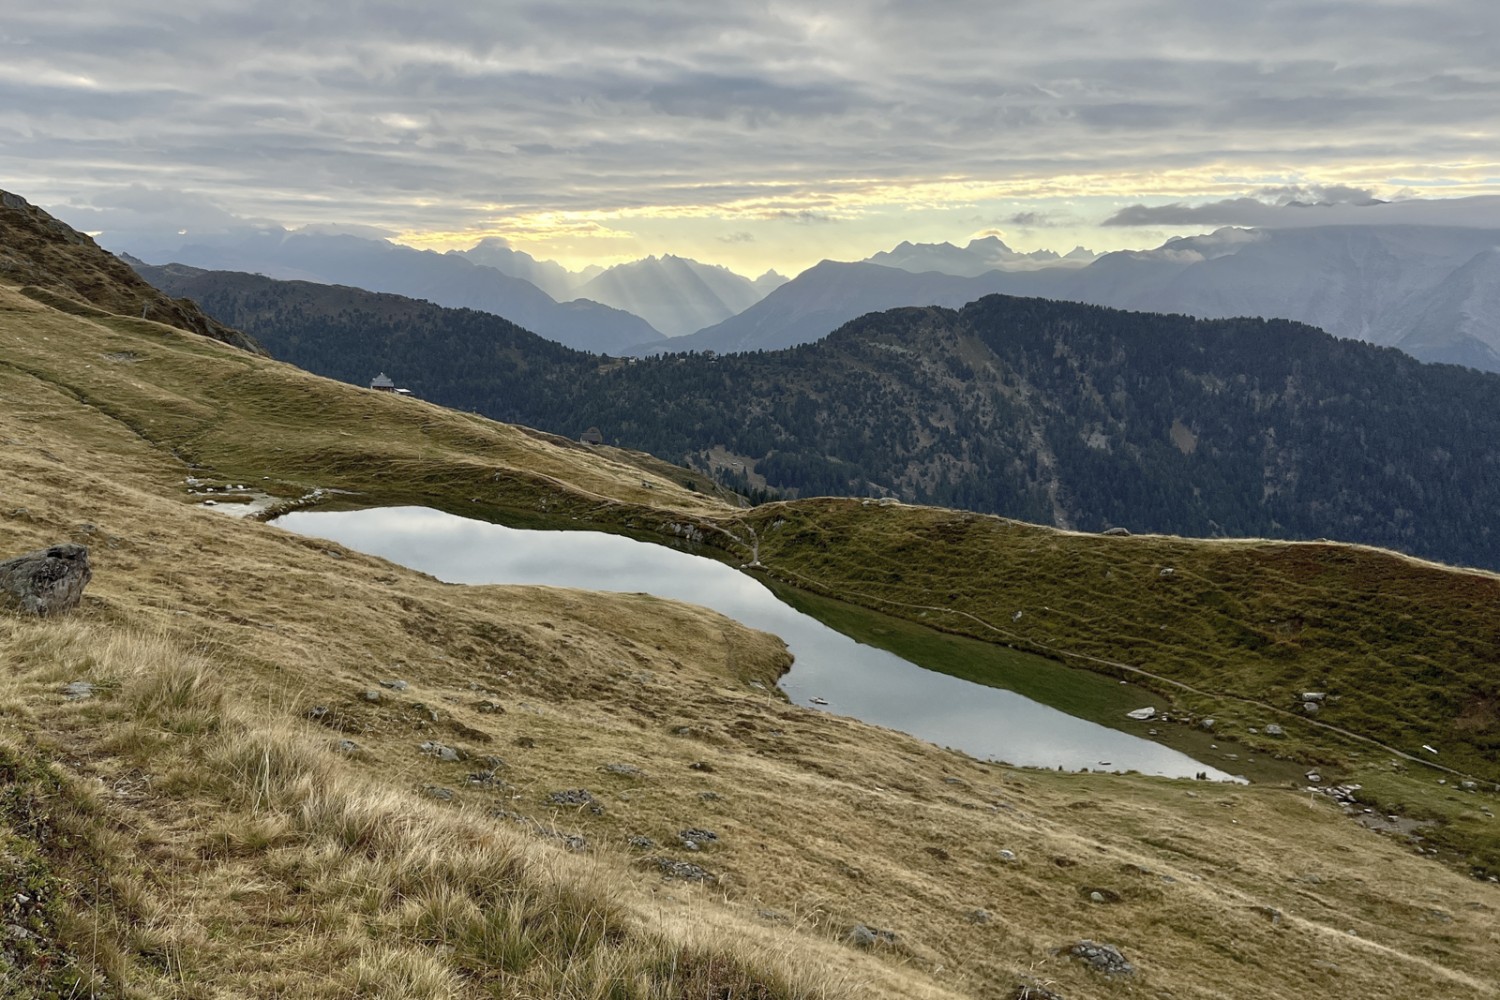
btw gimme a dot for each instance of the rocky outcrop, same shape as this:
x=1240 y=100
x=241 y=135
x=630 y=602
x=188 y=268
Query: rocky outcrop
x=45 y=582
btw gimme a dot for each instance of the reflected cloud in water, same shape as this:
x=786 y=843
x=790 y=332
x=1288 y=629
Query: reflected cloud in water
x=854 y=679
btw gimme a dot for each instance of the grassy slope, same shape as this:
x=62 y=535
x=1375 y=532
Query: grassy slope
x=215 y=844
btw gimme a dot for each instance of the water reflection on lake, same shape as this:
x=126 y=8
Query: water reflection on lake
x=854 y=679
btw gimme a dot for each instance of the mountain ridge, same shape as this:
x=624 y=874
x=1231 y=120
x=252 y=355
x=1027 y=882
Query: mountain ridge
x=1061 y=413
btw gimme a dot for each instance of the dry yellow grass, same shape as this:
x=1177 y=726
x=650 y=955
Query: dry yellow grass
x=239 y=852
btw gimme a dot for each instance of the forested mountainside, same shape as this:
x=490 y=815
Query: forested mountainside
x=1074 y=415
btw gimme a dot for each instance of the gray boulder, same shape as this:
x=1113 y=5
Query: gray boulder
x=47 y=581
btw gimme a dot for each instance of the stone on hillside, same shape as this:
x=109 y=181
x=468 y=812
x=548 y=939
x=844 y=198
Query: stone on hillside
x=47 y=581
x=694 y=838
x=440 y=751
x=1028 y=991
x=1274 y=730
x=1142 y=713
x=1310 y=707
x=683 y=870
x=576 y=797
x=1207 y=724
x=1313 y=695
x=1105 y=958
x=979 y=916
x=860 y=936
x=395 y=685
x=79 y=691
x=1116 y=532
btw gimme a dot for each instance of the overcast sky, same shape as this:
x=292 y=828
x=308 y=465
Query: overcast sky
x=754 y=134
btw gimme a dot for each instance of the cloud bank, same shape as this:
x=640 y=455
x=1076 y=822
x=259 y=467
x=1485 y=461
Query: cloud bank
x=510 y=116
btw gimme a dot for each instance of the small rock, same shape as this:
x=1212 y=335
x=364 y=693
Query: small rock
x=576 y=797
x=440 y=751
x=78 y=691
x=438 y=792
x=346 y=746
x=317 y=712
x=683 y=870
x=1270 y=913
x=1310 y=707
x=1206 y=724
x=695 y=837
x=1105 y=958
x=644 y=843
x=489 y=706
x=1007 y=855
x=1096 y=897
x=1142 y=714
x=775 y=916
x=1167 y=571
x=709 y=796
x=628 y=770
x=979 y=916
x=372 y=695
x=1116 y=532
x=1031 y=991
x=1274 y=730
x=701 y=765
x=395 y=685
x=1313 y=695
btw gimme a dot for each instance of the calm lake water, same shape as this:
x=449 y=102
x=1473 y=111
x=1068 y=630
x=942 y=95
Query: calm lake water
x=854 y=679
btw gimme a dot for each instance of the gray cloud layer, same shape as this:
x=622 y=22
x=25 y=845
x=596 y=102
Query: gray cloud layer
x=428 y=116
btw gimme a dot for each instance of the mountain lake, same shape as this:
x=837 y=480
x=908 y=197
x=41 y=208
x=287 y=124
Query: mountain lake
x=830 y=672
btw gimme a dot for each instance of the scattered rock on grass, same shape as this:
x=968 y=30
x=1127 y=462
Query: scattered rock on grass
x=1104 y=958
x=1031 y=991
x=694 y=838
x=577 y=798
x=682 y=870
x=979 y=916
x=78 y=691
x=440 y=751
x=868 y=937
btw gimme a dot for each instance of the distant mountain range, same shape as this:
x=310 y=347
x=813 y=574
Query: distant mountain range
x=446 y=279
x=986 y=254
x=1069 y=414
x=1428 y=290
x=675 y=295
x=1431 y=291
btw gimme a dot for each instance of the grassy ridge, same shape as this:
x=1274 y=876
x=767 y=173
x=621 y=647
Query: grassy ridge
x=1403 y=649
